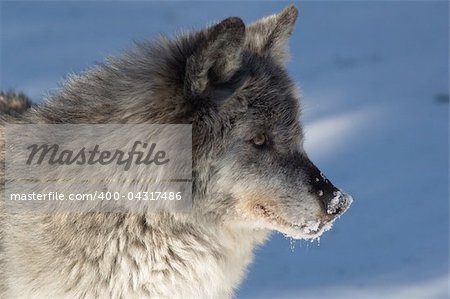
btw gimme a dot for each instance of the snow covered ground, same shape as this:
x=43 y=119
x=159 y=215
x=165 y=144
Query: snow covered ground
x=374 y=77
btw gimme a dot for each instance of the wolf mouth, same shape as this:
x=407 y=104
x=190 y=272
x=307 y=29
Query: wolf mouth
x=312 y=229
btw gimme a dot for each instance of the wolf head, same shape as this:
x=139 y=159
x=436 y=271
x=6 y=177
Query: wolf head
x=251 y=168
x=229 y=81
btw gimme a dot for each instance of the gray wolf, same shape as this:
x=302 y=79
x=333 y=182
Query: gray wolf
x=251 y=175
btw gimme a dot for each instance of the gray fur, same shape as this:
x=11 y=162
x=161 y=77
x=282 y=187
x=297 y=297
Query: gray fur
x=14 y=103
x=229 y=82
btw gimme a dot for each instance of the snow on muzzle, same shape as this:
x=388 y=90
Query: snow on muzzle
x=334 y=201
x=339 y=203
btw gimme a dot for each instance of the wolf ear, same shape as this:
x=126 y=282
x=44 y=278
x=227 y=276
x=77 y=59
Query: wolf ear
x=270 y=35
x=217 y=57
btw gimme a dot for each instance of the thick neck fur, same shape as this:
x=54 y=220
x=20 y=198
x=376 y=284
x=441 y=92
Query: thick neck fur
x=125 y=256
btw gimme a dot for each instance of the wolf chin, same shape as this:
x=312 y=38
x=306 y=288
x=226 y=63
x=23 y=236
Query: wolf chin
x=250 y=174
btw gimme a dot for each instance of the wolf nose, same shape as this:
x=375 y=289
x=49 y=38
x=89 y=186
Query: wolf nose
x=334 y=201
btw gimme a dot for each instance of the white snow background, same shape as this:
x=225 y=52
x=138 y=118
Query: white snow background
x=374 y=78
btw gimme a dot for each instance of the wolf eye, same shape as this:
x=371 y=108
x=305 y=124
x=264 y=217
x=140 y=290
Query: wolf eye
x=259 y=140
